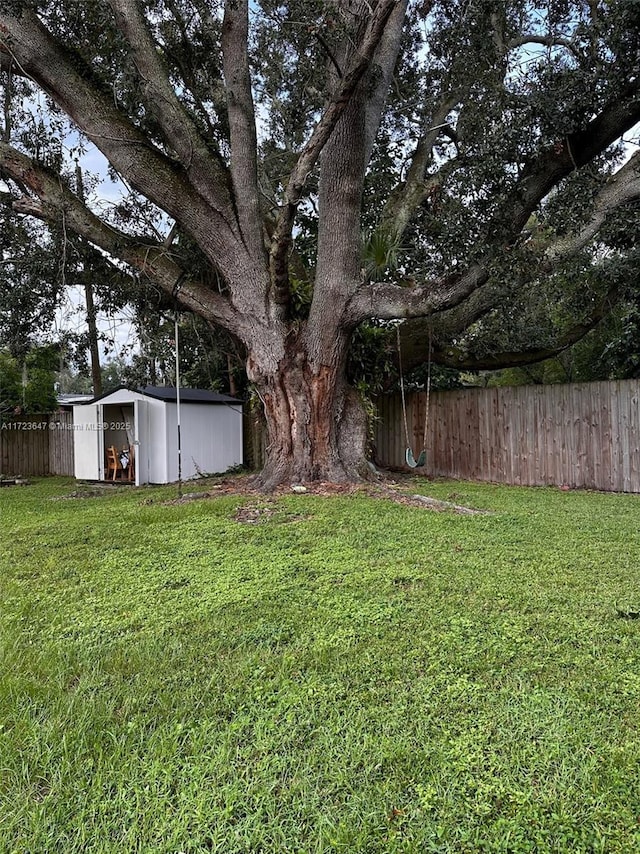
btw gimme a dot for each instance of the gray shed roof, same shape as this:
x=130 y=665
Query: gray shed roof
x=169 y=395
x=187 y=395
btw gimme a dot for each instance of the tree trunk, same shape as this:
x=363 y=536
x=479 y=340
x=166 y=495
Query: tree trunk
x=94 y=351
x=87 y=278
x=316 y=424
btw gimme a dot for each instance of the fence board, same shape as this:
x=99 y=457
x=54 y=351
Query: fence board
x=37 y=445
x=24 y=446
x=61 y=444
x=617 y=444
x=585 y=435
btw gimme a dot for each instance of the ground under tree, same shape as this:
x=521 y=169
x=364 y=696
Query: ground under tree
x=294 y=170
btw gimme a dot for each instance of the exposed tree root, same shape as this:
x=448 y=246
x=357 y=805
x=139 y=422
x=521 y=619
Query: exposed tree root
x=251 y=486
x=435 y=504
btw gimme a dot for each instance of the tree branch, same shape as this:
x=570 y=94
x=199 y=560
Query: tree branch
x=207 y=173
x=281 y=241
x=342 y=172
x=242 y=125
x=547 y=41
x=414 y=346
x=409 y=195
x=622 y=188
x=389 y=301
x=40 y=56
x=189 y=74
x=561 y=159
x=53 y=202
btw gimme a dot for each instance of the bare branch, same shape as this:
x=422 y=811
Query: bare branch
x=388 y=301
x=328 y=51
x=547 y=41
x=8 y=94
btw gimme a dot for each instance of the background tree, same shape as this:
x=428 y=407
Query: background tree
x=29 y=289
x=10 y=384
x=207 y=356
x=27 y=385
x=439 y=127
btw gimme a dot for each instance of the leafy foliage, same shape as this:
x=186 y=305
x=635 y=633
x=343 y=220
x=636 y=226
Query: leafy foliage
x=10 y=383
x=208 y=358
x=29 y=282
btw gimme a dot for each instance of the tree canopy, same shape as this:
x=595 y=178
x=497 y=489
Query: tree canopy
x=293 y=170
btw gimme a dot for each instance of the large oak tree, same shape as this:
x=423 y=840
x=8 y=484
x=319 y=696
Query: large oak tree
x=295 y=169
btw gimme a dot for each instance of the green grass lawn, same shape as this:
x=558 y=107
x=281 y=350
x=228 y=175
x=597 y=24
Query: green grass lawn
x=344 y=674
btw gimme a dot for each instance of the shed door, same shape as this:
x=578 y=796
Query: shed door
x=141 y=440
x=87 y=429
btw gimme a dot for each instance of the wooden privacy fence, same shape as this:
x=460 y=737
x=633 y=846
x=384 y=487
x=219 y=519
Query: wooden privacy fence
x=37 y=445
x=583 y=435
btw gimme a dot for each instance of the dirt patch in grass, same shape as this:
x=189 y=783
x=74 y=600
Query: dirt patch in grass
x=93 y=490
x=257 y=514
x=387 y=488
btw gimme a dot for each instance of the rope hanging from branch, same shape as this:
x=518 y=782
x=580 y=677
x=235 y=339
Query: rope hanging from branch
x=410 y=459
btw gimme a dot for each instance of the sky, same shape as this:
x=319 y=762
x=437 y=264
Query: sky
x=121 y=339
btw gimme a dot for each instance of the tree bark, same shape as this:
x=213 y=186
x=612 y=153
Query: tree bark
x=316 y=424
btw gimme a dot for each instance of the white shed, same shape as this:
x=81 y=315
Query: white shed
x=144 y=424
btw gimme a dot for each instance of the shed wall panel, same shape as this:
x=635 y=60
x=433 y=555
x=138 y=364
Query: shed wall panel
x=86 y=424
